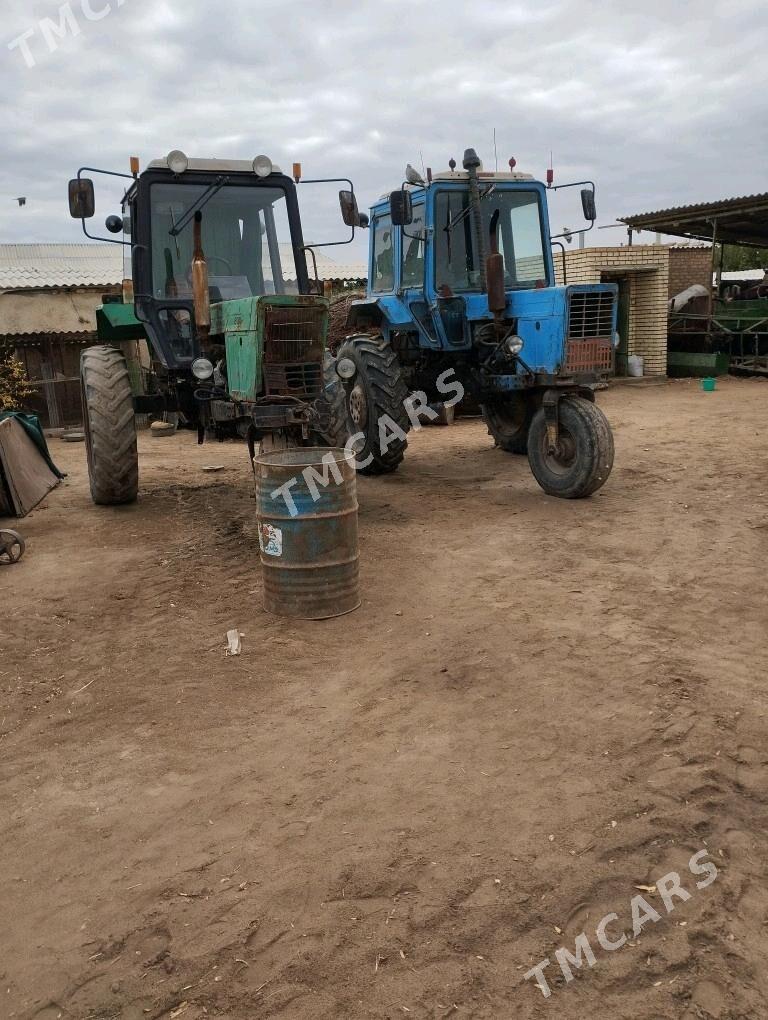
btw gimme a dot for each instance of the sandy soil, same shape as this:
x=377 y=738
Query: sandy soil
x=540 y=706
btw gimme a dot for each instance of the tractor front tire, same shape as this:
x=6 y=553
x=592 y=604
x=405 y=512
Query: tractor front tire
x=376 y=397
x=334 y=426
x=110 y=426
x=584 y=457
x=509 y=421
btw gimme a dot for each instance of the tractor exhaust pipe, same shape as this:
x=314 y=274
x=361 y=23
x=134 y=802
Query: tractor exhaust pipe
x=494 y=273
x=471 y=164
x=200 y=294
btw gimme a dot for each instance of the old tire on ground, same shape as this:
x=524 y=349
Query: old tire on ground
x=334 y=426
x=509 y=421
x=110 y=426
x=376 y=390
x=585 y=456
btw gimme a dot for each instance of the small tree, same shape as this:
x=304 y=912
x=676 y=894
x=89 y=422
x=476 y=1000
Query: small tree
x=738 y=258
x=13 y=381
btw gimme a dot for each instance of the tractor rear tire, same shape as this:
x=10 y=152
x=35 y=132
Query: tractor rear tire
x=334 y=425
x=509 y=422
x=585 y=455
x=376 y=397
x=110 y=426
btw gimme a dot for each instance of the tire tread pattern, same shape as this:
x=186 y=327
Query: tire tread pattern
x=518 y=441
x=333 y=422
x=595 y=466
x=386 y=394
x=110 y=426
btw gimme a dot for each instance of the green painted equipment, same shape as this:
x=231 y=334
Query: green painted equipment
x=235 y=331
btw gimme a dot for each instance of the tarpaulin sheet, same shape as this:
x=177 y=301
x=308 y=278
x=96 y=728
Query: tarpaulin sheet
x=25 y=474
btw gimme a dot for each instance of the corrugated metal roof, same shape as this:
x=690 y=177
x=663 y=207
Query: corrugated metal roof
x=739 y=220
x=46 y=266
x=697 y=207
x=51 y=266
x=327 y=267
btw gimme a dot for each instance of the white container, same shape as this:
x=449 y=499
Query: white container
x=635 y=366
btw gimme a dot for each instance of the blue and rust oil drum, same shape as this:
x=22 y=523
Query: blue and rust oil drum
x=307 y=515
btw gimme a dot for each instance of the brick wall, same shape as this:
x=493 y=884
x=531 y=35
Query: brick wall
x=688 y=266
x=646 y=270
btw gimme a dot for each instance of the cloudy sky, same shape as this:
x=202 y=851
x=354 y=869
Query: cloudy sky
x=660 y=102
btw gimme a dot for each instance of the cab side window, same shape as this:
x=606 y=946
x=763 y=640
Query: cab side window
x=383 y=255
x=413 y=250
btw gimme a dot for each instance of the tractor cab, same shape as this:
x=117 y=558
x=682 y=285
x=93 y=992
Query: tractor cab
x=465 y=258
x=250 y=234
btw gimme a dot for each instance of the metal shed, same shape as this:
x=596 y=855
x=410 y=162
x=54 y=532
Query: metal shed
x=740 y=221
x=735 y=324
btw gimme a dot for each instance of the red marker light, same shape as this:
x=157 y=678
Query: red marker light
x=550 y=177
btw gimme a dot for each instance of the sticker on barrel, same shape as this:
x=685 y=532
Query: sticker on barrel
x=271 y=540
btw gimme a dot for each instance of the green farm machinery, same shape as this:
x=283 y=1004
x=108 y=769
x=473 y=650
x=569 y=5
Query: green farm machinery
x=235 y=328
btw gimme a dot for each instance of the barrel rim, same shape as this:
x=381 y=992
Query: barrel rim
x=302 y=455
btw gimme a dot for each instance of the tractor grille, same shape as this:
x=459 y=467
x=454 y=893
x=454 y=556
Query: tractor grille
x=589 y=344
x=301 y=379
x=293 y=349
x=588 y=356
x=590 y=314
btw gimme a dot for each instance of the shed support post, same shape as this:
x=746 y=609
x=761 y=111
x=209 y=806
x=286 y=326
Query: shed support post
x=711 y=284
x=49 y=388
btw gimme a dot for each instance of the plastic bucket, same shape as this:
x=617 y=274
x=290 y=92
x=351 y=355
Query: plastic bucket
x=708 y=384
x=635 y=366
x=308 y=544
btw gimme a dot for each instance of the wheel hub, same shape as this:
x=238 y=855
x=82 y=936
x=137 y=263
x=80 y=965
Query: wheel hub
x=358 y=406
x=11 y=546
x=564 y=453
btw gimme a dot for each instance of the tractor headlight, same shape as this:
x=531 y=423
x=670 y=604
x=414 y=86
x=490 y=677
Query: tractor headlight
x=513 y=345
x=345 y=368
x=202 y=369
x=177 y=161
x=262 y=166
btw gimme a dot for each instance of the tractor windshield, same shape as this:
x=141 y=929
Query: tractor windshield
x=520 y=238
x=246 y=240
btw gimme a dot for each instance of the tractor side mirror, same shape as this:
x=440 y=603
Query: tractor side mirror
x=401 y=208
x=588 y=204
x=349 y=211
x=82 y=203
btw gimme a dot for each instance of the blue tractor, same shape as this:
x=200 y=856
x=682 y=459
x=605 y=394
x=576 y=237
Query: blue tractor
x=461 y=277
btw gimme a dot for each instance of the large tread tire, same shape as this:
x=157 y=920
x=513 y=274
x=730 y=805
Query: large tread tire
x=334 y=425
x=509 y=421
x=110 y=426
x=379 y=388
x=586 y=459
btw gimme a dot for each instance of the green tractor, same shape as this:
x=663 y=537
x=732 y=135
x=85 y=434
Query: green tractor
x=236 y=330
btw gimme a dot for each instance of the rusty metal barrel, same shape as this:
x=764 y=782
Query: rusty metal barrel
x=307 y=510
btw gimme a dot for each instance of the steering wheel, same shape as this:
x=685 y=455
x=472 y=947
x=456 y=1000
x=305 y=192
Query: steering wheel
x=219 y=258
x=209 y=259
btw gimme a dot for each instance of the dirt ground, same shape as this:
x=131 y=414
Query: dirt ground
x=540 y=707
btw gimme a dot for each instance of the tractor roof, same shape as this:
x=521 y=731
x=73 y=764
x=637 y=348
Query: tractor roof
x=483 y=175
x=244 y=166
x=462 y=175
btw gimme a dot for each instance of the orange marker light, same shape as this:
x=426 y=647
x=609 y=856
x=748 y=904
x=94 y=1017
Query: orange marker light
x=297 y=172
x=135 y=166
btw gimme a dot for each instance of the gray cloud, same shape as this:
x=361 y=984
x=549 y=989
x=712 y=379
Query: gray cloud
x=660 y=103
